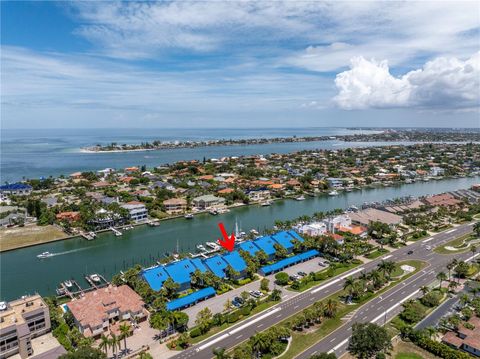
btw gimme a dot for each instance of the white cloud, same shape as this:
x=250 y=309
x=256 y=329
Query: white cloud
x=443 y=83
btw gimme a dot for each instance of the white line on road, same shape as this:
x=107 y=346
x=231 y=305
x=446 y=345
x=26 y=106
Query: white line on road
x=450 y=231
x=236 y=330
x=338 y=346
x=389 y=256
x=211 y=342
x=427 y=240
x=395 y=306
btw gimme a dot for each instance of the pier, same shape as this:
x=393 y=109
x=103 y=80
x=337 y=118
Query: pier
x=116 y=231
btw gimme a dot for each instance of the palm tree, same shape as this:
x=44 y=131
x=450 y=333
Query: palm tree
x=104 y=343
x=450 y=266
x=441 y=276
x=453 y=285
x=473 y=249
x=125 y=329
x=349 y=285
x=476 y=229
x=424 y=289
x=114 y=344
x=331 y=308
x=464 y=300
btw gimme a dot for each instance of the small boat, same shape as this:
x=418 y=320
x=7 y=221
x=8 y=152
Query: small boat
x=254 y=232
x=300 y=198
x=212 y=245
x=201 y=247
x=45 y=255
x=188 y=216
x=68 y=283
x=213 y=212
x=95 y=277
x=266 y=203
x=333 y=193
x=3 y=305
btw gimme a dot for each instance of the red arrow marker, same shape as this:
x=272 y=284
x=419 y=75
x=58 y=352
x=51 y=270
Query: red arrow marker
x=228 y=242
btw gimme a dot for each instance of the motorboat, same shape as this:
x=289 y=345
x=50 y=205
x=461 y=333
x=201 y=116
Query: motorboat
x=45 y=255
x=95 y=277
x=300 y=198
x=201 y=247
x=188 y=216
x=3 y=305
x=254 y=232
x=213 y=212
x=212 y=245
x=92 y=234
x=68 y=283
x=266 y=203
x=333 y=193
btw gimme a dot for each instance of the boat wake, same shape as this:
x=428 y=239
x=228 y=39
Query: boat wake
x=49 y=255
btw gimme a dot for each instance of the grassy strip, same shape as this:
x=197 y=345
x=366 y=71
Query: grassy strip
x=337 y=271
x=376 y=253
x=214 y=330
x=301 y=341
x=454 y=243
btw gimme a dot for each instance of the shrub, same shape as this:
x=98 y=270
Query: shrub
x=431 y=299
x=281 y=278
x=233 y=317
x=195 y=332
x=246 y=310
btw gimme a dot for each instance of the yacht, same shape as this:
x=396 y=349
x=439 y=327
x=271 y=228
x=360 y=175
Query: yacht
x=68 y=284
x=254 y=232
x=95 y=277
x=3 y=305
x=188 y=216
x=300 y=198
x=212 y=245
x=201 y=247
x=333 y=193
x=213 y=212
x=44 y=255
x=266 y=203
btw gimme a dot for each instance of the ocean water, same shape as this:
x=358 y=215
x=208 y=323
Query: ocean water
x=53 y=152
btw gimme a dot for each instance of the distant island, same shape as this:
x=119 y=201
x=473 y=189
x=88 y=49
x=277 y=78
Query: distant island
x=387 y=135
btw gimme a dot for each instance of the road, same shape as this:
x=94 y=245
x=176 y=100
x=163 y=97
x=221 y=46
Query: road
x=377 y=310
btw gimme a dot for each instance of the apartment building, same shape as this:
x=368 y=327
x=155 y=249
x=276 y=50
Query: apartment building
x=20 y=321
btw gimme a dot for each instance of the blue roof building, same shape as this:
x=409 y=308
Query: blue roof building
x=155 y=277
x=191 y=299
x=16 y=188
x=249 y=247
x=197 y=262
x=295 y=235
x=235 y=260
x=287 y=262
x=217 y=265
x=266 y=245
x=180 y=272
x=284 y=239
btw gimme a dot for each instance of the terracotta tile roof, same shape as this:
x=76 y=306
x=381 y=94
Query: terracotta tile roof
x=452 y=339
x=92 y=309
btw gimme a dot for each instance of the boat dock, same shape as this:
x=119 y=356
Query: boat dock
x=115 y=231
x=70 y=288
x=88 y=236
x=97 y=281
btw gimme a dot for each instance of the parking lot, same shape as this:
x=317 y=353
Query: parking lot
x=217 y=303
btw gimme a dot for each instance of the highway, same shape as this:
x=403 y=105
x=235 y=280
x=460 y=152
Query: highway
x=378 y=310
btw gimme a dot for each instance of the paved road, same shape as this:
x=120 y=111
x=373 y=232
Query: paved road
x=378 y=310
x=441 y=311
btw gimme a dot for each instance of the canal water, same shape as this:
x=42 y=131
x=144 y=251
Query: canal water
x=23 y=273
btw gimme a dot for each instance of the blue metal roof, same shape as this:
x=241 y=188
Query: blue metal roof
x=235 y=260
x=155 y=277
x=284 y=239
x=295 y=235
x=191 y=298
x=289 y=261
x=197 y=262
x=266 y=245
x=217 y=265
x=249 y=247
x=180 y=271
x=15 y=186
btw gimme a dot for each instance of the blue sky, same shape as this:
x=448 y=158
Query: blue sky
x=239 y=64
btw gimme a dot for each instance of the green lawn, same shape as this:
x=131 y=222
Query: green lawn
x=454 y=243
x=408 y=356
x=376 y=253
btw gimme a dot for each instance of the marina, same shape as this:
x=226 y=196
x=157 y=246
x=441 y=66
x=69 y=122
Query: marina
x=145 y=245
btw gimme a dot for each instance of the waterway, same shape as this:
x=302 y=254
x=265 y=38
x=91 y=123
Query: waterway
x=23 y=273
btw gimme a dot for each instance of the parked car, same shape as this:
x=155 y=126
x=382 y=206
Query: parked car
x=302 y=274
x=321 y=264
x=239 y=300
x=409 y=252
x=254 y=293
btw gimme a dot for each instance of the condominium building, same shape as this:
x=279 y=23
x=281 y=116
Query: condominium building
x=20 y=321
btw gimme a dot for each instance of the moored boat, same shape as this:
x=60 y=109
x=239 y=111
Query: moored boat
x=300 y=198
x=333 y=193
x=188 y=216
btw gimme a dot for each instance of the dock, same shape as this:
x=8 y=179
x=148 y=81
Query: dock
x=115 y=231
x=96 y=284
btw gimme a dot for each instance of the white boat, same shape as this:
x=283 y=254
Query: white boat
x=3 y=305
x=212 y=245
x=213 y=212
x=254 y=231
x=45 y=255
x=333 y=193
x=68 y=283
x=300 y=198
x=92 y=234
x=188 y=216
x=266 y=203
x=201 y=247
x=95 y=277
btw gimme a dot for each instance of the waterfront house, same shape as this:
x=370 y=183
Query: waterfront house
x=335 y=183
x=50 y=201
x=217 y=265
x=266 y=244
x=314 y=229
x=68 y=216
x=137 y=211
x=258 y=195
x=20 y=322
x=175 y=205
x=96 y=310
x=443 y=200
x=235 y=260
x=208 y=201
x=15 y=189
x=366 y=216
x=180 y=272
x=437 y=171
x=250 y=247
